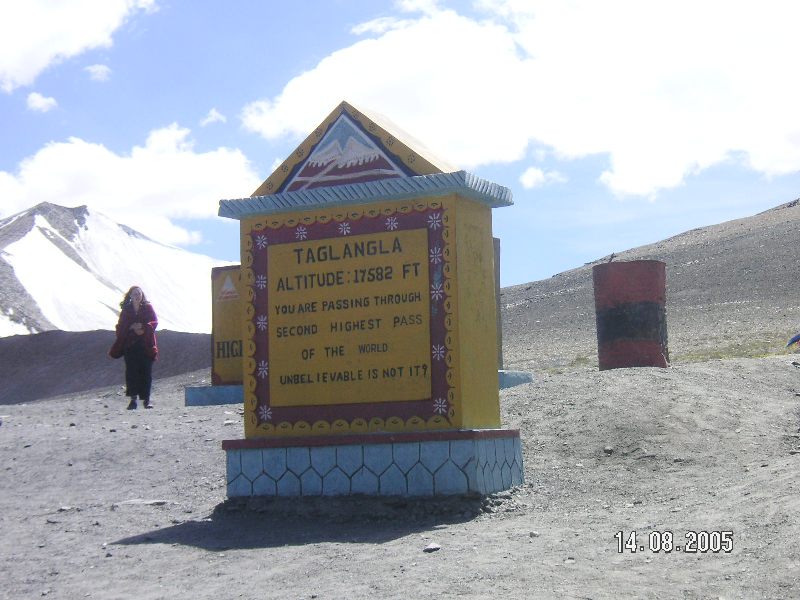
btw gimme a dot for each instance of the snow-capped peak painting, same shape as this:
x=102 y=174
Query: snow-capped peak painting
x=345 y=154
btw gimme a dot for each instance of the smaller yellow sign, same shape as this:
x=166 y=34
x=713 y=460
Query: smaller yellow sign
x=226 y=326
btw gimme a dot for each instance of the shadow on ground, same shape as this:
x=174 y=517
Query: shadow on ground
x=271 y=522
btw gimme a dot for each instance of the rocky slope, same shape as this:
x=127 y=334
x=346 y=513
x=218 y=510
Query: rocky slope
x=731 y=291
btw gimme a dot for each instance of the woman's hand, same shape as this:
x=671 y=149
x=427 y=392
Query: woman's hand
x=137 y=328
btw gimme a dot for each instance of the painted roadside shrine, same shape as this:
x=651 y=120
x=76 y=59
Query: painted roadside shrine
x=368 y=323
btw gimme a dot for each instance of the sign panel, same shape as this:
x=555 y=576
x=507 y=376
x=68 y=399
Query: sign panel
x=350 y=319
x=349 y=316
x=226 y=325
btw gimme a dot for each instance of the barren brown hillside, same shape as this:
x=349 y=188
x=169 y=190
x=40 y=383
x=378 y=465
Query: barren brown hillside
x=732 y=290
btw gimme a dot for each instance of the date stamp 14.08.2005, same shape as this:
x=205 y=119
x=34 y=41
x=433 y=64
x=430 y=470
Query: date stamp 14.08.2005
x=692 y=542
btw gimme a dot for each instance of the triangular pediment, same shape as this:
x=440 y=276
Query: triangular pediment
x=349 y=147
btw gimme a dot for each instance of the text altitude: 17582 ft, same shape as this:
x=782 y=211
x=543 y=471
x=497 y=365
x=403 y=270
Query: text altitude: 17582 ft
x=664 y=541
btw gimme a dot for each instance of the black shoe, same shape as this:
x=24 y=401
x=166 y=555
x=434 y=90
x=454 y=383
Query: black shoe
x=147 y=404
x=132 y=405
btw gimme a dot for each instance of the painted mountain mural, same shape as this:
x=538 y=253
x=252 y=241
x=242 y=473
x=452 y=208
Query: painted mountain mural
x=344 y=155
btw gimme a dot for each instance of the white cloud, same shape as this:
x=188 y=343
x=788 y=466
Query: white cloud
x=663 y=89
x=380 y=25
x=98 y=72
x=536 y=177
x=40 y=103
x=37 y=33
x=146 y=189
x=213 y=116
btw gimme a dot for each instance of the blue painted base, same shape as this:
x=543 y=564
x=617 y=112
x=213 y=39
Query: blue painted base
x=509 y=379
x=480 y=465
x=213 y=394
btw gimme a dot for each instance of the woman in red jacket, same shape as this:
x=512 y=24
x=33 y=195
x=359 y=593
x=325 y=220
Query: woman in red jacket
x=136 y=341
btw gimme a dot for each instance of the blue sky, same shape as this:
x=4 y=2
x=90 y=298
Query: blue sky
x=615 y=123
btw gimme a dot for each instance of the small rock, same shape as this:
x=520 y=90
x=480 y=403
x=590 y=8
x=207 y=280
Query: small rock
x=64 y=508
x=229 y=422
x=72 y=424
x=608 y=450
x=432 y=547
x=134 y=426
x=570 y=560
x=534 y=534
x=27 y=446
x=112 y=431
x=109 y=555
x=629 y=505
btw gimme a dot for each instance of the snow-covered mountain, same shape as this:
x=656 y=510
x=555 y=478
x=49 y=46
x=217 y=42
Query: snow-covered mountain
x=68 y=268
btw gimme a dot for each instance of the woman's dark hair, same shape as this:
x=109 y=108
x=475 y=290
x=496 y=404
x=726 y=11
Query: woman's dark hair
x=127 y=299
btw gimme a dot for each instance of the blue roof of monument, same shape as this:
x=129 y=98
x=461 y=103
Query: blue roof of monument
x=400 y=188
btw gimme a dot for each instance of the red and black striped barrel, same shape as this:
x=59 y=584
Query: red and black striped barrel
x=629 y=302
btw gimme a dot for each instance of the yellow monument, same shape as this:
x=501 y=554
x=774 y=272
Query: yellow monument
x=369 y=318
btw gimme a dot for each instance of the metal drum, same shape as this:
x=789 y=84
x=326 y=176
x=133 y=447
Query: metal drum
x=629 y=300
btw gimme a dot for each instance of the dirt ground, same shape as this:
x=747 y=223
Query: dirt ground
x=99 y=502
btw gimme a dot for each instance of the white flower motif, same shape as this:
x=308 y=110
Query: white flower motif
x=265 y=413
x=261 y=282
x=391 y=223
x=301 y=233
x=263 y=369
x=261 y=242
x=436 y=255
x=440 y=406
x=344 y=228
x=435 y=221
x=437 y=292
x=261 y=322
x=438 y=351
